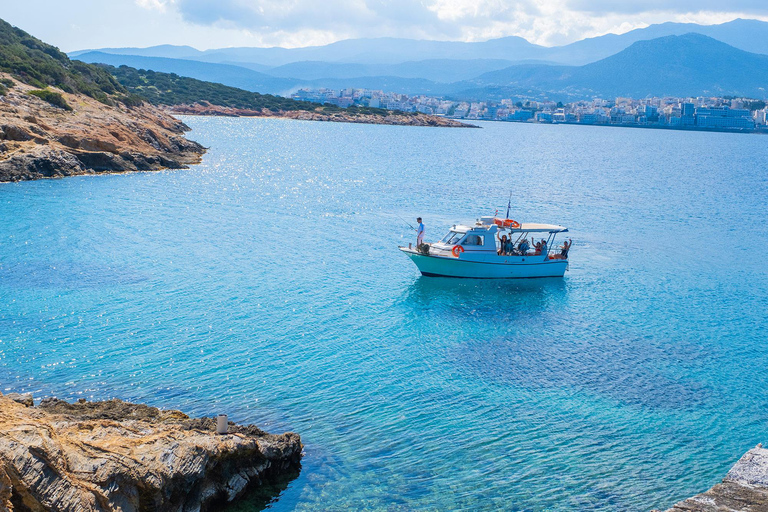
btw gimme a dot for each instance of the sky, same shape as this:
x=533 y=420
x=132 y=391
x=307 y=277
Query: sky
x=84 y=24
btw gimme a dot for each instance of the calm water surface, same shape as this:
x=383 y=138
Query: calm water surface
x=266 y=283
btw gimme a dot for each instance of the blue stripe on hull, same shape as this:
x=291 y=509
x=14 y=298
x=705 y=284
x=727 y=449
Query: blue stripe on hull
x=436 y=266
x=428 y=274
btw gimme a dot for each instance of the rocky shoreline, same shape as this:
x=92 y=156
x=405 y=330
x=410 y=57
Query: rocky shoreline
x=114 y=455
x=417 y=119
x=40 y=140
x=744 y=488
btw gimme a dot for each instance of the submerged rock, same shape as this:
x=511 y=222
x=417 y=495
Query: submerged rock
x=114 y=455
x=744 y=488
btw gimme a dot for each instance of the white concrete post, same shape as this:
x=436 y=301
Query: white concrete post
x=222 y=426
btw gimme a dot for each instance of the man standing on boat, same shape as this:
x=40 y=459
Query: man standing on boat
x=419 y=232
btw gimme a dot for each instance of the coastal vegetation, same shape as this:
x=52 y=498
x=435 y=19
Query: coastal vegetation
x=5 y=84
x=52 y=97
x=38 y=64
x=171 y=89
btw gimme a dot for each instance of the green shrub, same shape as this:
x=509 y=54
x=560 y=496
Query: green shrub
x=54 y=98
x=131 y=100
x=7 y=82
x=3 y=90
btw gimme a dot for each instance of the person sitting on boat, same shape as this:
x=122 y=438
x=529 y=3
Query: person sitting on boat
x=523 y=247
x=537 y=247
x=564 y=249
x=419 y=232
x=509 y=247
x=502 y=244
x=473 y=240
x=543 y=248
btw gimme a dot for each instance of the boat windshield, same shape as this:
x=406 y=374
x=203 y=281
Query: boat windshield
x=452 y=237
x=473 y=240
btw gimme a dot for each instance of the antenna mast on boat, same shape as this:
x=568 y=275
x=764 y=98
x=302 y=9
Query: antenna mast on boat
x=509 y=204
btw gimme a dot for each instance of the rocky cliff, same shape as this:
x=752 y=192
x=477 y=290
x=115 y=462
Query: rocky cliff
x=40 y=140
x=744 y=488
x=117 y=456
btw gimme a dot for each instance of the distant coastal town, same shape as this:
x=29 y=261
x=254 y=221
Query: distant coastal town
x=701 y=113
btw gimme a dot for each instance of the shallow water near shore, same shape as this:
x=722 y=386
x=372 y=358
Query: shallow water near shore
x=266 y=283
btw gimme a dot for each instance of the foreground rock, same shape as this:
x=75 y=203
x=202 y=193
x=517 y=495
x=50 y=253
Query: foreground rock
x=416 y=119
x=39 y=140
x=744 y=488
x=105 y=456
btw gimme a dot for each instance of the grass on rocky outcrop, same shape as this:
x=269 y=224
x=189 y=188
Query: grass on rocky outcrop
x=54 y=98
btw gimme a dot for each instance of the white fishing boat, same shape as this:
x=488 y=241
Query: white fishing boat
x=478 y=252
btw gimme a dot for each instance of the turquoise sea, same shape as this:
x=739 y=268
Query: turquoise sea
x=266 y=283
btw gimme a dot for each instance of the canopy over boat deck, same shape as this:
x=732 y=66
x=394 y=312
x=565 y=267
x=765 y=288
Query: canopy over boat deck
x=531 y=227
x=510 y=225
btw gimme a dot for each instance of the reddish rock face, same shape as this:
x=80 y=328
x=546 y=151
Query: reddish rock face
x=113 y=455
x=39 y=140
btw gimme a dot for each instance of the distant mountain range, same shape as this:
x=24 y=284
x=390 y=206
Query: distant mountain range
x=747 y=35
x=670 y=58
x=686 y=65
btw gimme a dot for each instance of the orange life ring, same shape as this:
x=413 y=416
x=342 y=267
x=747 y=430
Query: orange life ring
x=498 y=222
x=509 y=223
x=457 y=249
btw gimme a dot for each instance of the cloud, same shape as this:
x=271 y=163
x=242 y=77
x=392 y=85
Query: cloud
x=436 y=19
x=547 y=22
x=294 y=14
x=154 y=5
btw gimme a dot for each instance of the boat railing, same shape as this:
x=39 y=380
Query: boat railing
x=552 y=254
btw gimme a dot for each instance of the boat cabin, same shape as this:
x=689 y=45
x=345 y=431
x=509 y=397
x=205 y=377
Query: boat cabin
x=485 y=236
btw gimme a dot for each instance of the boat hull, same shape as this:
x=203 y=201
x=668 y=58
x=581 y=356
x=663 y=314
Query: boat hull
x=504 y=268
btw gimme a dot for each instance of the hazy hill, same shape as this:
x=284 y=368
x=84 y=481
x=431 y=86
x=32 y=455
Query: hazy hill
x=164 y=50
x=687 y=65
x=439 y=70
x=243 y=78
x=227 y=74
x=385 y=50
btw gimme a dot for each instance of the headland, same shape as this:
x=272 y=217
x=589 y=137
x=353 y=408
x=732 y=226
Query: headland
x=114 y=455
x=321 y=114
